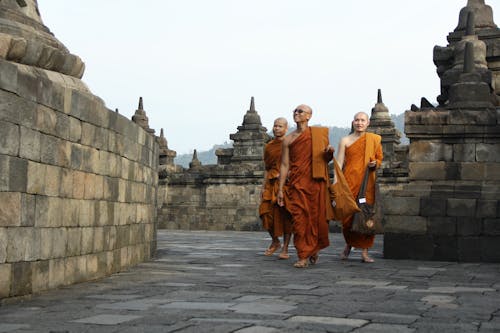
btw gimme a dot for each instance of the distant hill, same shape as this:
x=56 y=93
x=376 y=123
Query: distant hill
x=336 y=133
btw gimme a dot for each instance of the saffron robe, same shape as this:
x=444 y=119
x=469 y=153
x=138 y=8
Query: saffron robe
x=307 y=191
x=275 y=219
x=357 y=157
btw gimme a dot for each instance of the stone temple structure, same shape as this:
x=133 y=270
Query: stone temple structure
x=78 y=181
x=450 y=208
x=224 y=196
x=83 y=189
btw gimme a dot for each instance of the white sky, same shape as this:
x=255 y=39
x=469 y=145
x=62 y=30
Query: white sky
x=196 y=63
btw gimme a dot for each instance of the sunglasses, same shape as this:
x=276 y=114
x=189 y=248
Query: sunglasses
x=299 y=111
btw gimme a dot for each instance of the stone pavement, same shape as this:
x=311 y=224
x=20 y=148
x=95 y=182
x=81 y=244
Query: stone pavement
x=206 y=281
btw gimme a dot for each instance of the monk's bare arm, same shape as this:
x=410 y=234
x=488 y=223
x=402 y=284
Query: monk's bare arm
x=284 y=167
x=341 y=152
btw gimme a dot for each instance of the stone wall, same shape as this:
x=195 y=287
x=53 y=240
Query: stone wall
x=77 y=184
x=203 y=202
x=450 y=209
x=225 y=196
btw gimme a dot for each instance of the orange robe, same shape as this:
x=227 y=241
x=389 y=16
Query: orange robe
x=357 y=157
x=306 y=194
x=275 y=219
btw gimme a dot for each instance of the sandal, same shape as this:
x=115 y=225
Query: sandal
x=301 y=264
x=314 y=259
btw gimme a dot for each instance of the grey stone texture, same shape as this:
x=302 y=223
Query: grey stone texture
x=455 y=148
x=63 y=196
x=205 y=281
x=225 y=196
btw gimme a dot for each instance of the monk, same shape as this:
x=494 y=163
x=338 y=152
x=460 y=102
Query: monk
x=275 y=219
x=304 y=159
x=357 y=151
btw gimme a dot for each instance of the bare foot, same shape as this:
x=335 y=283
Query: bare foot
x=284 y=255
x=302 y=263
x=345 y=254
x=273 y=248
x=365 y=258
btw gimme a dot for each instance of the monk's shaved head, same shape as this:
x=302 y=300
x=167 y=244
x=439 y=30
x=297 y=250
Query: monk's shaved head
x=304 y=107
x=282 y=121
x=362 y=113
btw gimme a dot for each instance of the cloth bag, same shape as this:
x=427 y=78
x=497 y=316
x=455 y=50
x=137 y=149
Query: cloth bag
x=368 y=220
x=343 y=202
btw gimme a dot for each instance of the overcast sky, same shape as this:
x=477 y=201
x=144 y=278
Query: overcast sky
x=197 y=63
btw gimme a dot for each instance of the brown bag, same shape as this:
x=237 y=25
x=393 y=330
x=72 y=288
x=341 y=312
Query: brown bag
x=343 y=202
x=368 y=220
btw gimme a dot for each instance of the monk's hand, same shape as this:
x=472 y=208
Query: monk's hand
x=329 y=150
x=372 y=164
x=281 y=201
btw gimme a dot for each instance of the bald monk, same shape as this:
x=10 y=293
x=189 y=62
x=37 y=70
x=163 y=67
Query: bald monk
x=357 y=151
x=304 y=159
x=275 y=219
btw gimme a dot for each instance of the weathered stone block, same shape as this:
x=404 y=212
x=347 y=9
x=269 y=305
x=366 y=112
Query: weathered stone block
x=472 y=171
x=30 y=144
x=87 y=240
x=432 y=206
x=442 y=226
x=56 y=273
x=76 y=156
x=464 y=153
x=62 y=128
x=55 y=212
x=74 y=236
x=4 y=174
x=52 y=180
x=414 y=225
x=92 y=266
x=469 y=249
x=428 y=151
x=98 y=239
x=75 y=130
x=445 y=248
x=41 y=211
x=3 y=246
x=467 y=226
x=40 y=275
x=86 y=211
x=90 y=162
x=10 y=138
x=64 y=154
x=21 y=279
x=467 y=191
x=71 y=213
x=66 y=183
x=5 y=279
x=492 y=171
x=10 y=209
x=99 y=187
x=401 y=246
x=487 y=208
x=49 y=149
x=490 y=249
x=28 y=212
x=23 y=244
x=461 y=207
x=8 y=79
x=427 y=171
x=88 y=134
x=488 y=152
x=89 y=187
x=491 y=227
x=18 y=174
x=78 y=184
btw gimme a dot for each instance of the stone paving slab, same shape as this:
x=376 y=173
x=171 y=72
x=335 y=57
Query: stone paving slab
x=203 y=281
